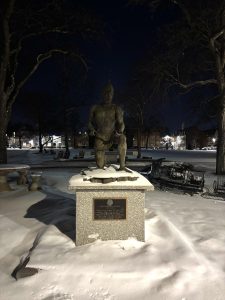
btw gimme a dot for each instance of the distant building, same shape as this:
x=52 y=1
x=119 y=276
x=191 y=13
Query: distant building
x=81 y=139
x=198 y=139
x=149 y=139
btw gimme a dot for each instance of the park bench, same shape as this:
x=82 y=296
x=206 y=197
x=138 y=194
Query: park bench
x=81 y=154
x=178 y=175
x=6 y=169
x=62 y=155
x=219 y=185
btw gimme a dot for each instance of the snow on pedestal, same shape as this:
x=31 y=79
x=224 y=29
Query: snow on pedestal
x=109 y=211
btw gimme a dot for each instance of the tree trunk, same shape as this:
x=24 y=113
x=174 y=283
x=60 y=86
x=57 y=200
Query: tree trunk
x=66 y=130
x=139 y=143
x=40 y=142
x=220 y=159
x=67 y=151
x=20 y=142
x=40 y=132
x=3 y=140
x=147 y=139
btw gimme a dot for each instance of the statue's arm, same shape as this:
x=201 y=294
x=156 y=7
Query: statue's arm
x=91 y=127
x=120 y=126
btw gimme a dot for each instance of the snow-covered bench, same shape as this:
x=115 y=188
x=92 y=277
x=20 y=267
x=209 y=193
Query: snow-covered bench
x=5 y=169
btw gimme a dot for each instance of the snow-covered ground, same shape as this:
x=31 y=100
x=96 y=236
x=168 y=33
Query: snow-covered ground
x=182 y=258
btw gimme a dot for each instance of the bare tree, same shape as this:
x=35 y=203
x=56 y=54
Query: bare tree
x=24 y=25
x=137 y=99
x=192 y=54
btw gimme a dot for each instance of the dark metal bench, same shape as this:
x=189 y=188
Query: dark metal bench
x=219 y=185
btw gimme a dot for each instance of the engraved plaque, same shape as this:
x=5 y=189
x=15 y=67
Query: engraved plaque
x=109 y=209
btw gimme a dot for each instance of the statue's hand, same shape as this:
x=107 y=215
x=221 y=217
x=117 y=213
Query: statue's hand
x=118 y=133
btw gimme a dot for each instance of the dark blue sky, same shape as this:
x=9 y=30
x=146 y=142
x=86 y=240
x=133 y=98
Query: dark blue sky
x=129 y=32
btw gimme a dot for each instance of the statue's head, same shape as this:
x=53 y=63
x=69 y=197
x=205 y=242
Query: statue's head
x=107 y=93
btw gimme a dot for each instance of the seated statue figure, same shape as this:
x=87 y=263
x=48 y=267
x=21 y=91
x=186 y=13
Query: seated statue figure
x=107 y=125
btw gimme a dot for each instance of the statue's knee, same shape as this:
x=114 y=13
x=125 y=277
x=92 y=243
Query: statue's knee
x=99 y=144
x=122 y=140
x=99 y=153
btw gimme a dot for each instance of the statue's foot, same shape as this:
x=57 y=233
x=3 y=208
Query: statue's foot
x=122 y=169
x=125 y=169
x=102 y=167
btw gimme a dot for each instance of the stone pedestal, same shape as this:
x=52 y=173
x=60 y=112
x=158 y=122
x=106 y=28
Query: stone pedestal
x=4 y=186
x=35 y=184
x=109 y=211
x=22 y=177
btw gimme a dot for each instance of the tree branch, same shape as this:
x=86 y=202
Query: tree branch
x=184 y=10
x=44 y=32
x=33 y=34
x=40 y=59
x=17 y=50
x=194 y=84
x=49 y=139
x=214 y=38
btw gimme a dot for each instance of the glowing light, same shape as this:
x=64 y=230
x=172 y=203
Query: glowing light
x=179 y=140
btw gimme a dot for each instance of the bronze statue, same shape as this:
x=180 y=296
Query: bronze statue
x=106 y=124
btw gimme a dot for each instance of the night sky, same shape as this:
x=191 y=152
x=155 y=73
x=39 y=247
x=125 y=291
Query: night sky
x=129 y=31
